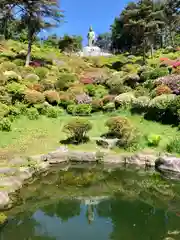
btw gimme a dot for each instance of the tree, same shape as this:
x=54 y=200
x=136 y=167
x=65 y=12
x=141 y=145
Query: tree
x=104 y=41
x=70 y=43
x=37 y=15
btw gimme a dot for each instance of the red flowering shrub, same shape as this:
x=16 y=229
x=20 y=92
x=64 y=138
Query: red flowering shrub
x=176 y=64
x=162 y=89
x=86 y=80
x=52 y=96
x=172 y=81
x=35 y=64
x=33 y=97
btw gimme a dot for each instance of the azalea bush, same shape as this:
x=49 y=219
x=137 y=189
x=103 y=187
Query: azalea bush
x=172 y=81
x=77 y=129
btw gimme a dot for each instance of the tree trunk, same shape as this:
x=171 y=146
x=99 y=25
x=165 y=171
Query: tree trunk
x=28 y=56
x=172 y=38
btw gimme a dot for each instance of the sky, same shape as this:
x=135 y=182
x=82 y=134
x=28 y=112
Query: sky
x=80 y=14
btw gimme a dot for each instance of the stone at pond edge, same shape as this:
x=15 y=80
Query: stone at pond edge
x=168 y=163
x=4 y=200
x=106 y=143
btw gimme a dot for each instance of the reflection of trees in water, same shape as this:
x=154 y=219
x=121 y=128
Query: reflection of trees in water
x=65 y=209
x=136 y=220
x=22 y=228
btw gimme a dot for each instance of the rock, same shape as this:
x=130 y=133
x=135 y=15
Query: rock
x=141 y=159
x=7 y=170
x=106 y=143
x=25 y=173
x=168 y=163
x=11 y=182
x=4 y=200
x=17 y=161
x=77 y=156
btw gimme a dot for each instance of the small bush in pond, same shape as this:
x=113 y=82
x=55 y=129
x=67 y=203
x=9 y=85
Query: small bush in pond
x=153 y=140
x=54 y=112
x=77 y=129
x=52 y=97
x=33 y=97
x=121 y=128
x=174 y=145
x=5 y=125
x=32 y=113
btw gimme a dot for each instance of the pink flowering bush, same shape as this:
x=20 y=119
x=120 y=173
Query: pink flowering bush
x=83 y=99
x=172 y=81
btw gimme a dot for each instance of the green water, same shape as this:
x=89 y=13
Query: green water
x=94 y=203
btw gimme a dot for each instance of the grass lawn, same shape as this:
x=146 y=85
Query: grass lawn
x=31 y=137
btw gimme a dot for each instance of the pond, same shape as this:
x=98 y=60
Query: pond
x=90 y=202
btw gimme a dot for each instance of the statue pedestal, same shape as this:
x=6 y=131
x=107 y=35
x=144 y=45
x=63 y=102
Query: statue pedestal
x=91 y=51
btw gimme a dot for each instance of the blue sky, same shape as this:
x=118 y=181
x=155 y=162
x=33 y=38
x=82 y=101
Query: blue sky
x=80 y=14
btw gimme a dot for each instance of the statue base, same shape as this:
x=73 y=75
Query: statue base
x=93 y=51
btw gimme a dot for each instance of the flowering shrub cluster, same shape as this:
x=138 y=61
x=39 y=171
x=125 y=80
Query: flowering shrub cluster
x=172 y=81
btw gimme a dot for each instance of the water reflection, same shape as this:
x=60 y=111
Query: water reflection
x=123 y=204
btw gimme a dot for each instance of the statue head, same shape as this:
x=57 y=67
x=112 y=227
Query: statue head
x=90 y=29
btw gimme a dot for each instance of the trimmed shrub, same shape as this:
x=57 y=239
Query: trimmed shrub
x=154 y=73
x=141 y=91
x=153 y=140
x=124 y=100
x=8 y=66
x=71 y=109
x=174 y=145
x=172 y=81
x=121 y=128
x=140 y=104
x=97 y=105
x=115 y=83
x=41 y=72
x=162 y=102
x=4 y=110
x=5 y=97
x=132 y=80
x=82 y=110
x=174 y=109
x=52 y=97
x=19 y=62
x=12 y=76
x=109 y=107
x=162 y=89
x=77 y=129
x=90 y=89
x=54 y=112
x=32 y=78
x=107 y=99
x=64 y=80
x=33 y=97
x=47 y=84
x=100 y=91
x=76 y=89
x=22 y=107
x=83 y=99
x=66 y=99
x=16 y=90
x=14 y=111
x=5 y=125
x=32 y=113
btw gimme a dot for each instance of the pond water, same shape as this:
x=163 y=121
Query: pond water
x=89 y=203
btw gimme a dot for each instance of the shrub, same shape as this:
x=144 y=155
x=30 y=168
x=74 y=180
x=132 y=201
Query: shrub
x=100 y=91
x=115 y=83
x=140 y=104
x=16 y=90
x=162 y=102
x=8 y=66
x=52 y=96
x=124 y=100
x=32 y=113
x=108 y=98
x=41 y=72
x=153 y=140
x=109 y=107
x=97 y=105
x=121 y=128
x=32 y=78
x=174 y=109
x=141 y=91
x=4 y=96
x=4 y=110
x=21 y=107
x=158 y=72
x=47 y=84
x=162 y=89
x=132 y=80
x=37 y=87
x=54 y=112
x=83 y=99
x=19 y=62
x=66 y=99
x=130 y=68
x=33 y=97
x=172 y=81
x=174 y=145
x=90 y=89
x=12 y=76
x=77 y=129
x=5 y=125
x=14 y=111
x=71 y=109
x=64 y=80
x=82 y=110
x=86 y=81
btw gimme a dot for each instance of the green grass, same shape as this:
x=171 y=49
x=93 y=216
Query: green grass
x=31 y=137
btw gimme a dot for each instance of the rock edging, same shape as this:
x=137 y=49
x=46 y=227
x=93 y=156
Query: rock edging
x=26 y=168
